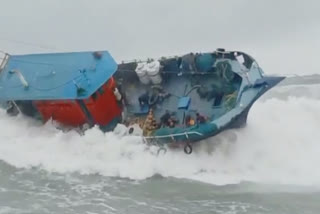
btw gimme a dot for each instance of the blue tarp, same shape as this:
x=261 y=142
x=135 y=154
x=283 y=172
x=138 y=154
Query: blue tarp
x=55 y=76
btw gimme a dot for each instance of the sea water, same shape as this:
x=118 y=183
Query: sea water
x=270 y=166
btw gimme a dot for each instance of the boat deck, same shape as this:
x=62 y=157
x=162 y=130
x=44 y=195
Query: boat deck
x=177 y=85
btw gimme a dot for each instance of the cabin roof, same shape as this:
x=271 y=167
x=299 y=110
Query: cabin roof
x=55 y=76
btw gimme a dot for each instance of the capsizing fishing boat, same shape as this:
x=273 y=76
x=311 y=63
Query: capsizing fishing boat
x=174 y=101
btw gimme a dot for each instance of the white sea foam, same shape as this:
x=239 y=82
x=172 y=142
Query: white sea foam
x=279 y=145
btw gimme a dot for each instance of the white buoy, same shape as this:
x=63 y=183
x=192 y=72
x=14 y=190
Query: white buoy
x=141 y=71
x=153 y=69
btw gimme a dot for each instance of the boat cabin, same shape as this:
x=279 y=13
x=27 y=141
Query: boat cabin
x=71 y=88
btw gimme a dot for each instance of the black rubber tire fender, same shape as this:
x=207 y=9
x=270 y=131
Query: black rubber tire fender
x=188 y=149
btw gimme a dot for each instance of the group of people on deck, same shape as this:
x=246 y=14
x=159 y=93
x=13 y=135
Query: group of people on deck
x=157 y=95
x=168 y=120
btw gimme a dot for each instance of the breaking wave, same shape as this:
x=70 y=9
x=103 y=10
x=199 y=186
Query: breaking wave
x=280 y=145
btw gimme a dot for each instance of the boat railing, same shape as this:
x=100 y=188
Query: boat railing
x=186 y=134
x=3 y=60
x=168 y=57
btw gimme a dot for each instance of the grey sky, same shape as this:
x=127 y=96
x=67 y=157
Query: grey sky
x=284 y=36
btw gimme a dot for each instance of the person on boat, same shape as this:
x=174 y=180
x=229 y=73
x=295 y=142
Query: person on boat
x=163 y=95
x=164 y=119
x=168 y=120
x=189 y=121
x=154 y=98
x=149 y=98
x=200 y=118
x=150 y=124
x=172 y=123
x=160 y=93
